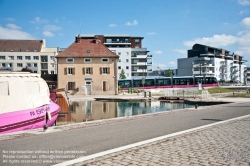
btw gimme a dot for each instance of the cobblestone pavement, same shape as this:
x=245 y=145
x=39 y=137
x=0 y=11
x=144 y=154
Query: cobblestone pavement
x=222 y=144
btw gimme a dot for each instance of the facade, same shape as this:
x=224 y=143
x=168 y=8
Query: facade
x=134 y=59
x=247 y=75
x=204 y=60
x=33 y=54
x=87 y=67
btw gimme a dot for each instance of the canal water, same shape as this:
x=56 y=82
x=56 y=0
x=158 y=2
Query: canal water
x=83 y=111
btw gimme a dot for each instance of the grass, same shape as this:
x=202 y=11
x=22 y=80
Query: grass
x=219 y=90
x=244 y=95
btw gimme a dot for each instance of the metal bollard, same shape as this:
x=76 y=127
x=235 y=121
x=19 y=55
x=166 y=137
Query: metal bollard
x=145 y=94
x=149 y=94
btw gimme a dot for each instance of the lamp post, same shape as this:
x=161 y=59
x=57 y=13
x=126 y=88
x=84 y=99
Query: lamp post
x=200 y=65
x=160 y=71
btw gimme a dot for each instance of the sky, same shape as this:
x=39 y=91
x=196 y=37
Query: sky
x=169 y=27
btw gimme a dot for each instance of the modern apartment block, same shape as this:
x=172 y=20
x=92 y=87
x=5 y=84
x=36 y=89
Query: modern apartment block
x=204 y=60
x=134 y=59
x=32 y=54
x=247 y=74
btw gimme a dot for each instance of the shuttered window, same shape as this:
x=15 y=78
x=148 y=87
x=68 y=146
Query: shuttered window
x=71 y=86
x=69 y=71
x=105 y=70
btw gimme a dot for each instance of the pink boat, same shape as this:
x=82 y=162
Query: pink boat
x=24 y=102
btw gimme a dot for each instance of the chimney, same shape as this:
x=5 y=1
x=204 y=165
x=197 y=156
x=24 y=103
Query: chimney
x=96 y=40
x=78 y=39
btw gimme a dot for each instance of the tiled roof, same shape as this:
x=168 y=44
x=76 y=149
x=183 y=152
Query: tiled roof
x=20 y=45
x=87 y=48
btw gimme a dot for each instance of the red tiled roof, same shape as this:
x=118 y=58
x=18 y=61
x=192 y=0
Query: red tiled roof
x=87 y=48
x=20 y=45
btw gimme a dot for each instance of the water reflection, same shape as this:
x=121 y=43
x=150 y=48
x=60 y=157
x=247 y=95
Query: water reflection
x=83 y=111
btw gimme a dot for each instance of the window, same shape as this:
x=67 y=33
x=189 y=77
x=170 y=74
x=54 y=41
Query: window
x=2 y=57
x=127 y=67
x=87 y=70
x=105 y=60
x=137 y=41
x=11 y=57
x=3 y=65
x=19 y=57
x=87 y=60
x=35 y=71
x=27 y=57
x=119 y=67
x=52 y=58
x=70 y=60
x=52 y=72
x=127 y=60
x=10 y=65
x=104 y=70
x=11 y=50
x=119 y=60
x=52 y=65
x=127 y=74
x=36 y=57
x=19 y=65
x=34 y=50
x=88 y=51
x=71 y=85
x=35 y=64
x=69 y=70
x=27 y=50
x=119 y=53
x=28 y=65
x=127 y=53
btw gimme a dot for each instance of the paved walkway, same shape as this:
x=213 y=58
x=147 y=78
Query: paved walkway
x=226 y=143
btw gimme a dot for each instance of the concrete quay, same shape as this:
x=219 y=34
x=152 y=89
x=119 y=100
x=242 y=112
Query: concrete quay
x=223 y=143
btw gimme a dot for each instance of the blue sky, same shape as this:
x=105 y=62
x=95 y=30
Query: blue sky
x=169 y=27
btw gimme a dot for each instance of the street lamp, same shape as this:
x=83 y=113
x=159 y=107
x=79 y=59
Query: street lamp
x=160 y=71
x=200 y=65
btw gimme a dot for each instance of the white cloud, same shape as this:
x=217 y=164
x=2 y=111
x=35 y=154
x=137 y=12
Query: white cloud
x=131 y=23
x=185 y=12
x=151 y=33
x=10 y=19
x=244 y=2
x=13 y=26
x=158 y=52
x=246 y=22
x=172 y=63
x=161 y=66
x=51 y=28
x=8 y=33
x=225 y=23
x=216 y=40
x=112 y=25
x=60 y=34
x=243 y=12
x=48 y=34
x=181 y=51
x=39 y=20
x=56 y=21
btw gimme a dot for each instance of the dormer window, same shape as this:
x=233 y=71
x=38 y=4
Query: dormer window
x=88 y=51
x=3 y=50
x=87 y=60
x=19 y=50
x=70 y=60
x=104 y=60
x=11 y=50
x=34 y=50
x=27 y=50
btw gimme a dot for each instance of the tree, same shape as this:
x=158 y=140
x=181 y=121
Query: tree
x=26 y=69
x=122 y=75
x=169 y=73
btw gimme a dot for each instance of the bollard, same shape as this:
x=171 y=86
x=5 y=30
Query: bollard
x=196 y=106
x=149 y=94
x=145 y=94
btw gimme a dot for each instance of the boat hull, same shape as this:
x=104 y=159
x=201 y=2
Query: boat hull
x=28 y=119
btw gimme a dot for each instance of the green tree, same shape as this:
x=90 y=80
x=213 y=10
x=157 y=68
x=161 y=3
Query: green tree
x=169 y=73
x=122 y=75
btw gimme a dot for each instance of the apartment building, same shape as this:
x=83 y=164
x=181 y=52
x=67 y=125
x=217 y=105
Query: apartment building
x=87 y=67
x=32 y=54
x=204 y=60
x=247 y=75
x=133 y=59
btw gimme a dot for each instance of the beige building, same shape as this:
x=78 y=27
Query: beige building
x=33 y=54
x=88 y=67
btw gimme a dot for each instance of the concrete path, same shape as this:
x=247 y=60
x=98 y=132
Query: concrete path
x=225 y=143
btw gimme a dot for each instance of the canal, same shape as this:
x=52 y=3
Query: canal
x=83 y=111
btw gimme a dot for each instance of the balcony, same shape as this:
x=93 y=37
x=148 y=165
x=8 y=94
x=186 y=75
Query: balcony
x=139 y=70
x=44 y=59
x=139 y=57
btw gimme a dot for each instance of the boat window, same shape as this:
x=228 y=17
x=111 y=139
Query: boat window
x=4 y=89
x=32 y=87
